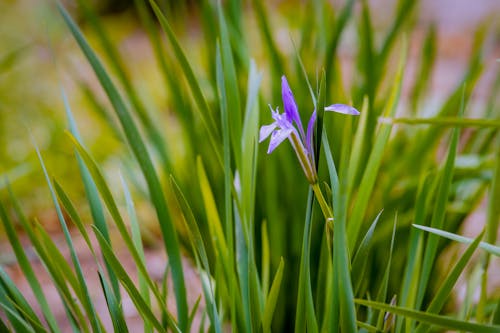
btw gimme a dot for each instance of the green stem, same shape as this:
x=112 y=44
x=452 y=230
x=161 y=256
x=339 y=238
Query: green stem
x=325 y=208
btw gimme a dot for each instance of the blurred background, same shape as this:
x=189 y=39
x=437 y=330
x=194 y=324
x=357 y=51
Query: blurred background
x=39 y=58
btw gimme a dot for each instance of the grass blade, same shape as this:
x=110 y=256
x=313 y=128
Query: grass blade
x=28 y=271
x=492 y=249
x=139 y=149
x=272 y=298
x=432 y=319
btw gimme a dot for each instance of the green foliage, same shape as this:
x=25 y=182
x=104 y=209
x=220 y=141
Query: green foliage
x=266 y=258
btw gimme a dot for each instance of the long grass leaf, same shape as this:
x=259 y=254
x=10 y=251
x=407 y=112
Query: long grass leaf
x=141 y=306
x=446 y=287
x=138 y=147
x=203 y=109
x=114 y=307
x=28 y=271
x=91 y=193
x=137 y=240
x=86 y=300
x=492 y=249
x=375 y=159
x=201 y=252
x=432 y=319
x=272 y=298
x=438 y=215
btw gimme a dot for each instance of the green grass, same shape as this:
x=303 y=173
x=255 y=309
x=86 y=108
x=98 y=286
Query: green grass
x=400 y=185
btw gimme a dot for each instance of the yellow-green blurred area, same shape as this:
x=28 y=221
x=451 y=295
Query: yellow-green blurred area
x=38 y=58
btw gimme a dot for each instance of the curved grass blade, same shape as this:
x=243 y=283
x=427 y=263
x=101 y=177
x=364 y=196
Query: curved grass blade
x=305 y=318
x=136 y=239
x=361 y=256
x=141 y=306
x=114 y=307
x=262 y=19
x=375 y=159
x=55 y=264
x=272 y=298
x=438 y=215
x=445 y=289
x=231 y=94
x=28 y=271
x=200 y=251
x=91 y=193
x=116 y=62
x=203 y=109
x=115 y=213
x=139 y=149
x=431 y=319
x=341 y=249
x=445 y=121
x=17 y=321
x=11 y=294
x=82 y=285
x=492 y=249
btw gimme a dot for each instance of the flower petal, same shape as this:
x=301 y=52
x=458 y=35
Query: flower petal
x=278 y=137
x=289 y=105
x=310 y=132
x=265 y=131
x=342 y=108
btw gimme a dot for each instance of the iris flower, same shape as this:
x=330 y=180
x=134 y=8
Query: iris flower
x=288 y=125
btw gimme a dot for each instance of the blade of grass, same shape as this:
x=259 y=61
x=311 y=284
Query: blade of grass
x=231 y=93
x=141 y=306
x=492 y=224
x=438 y=214
x=115 y=213
x=114 y=306
x=55 y=264
x=91 y=193
x=86 y=300
x=432 y=319
x=375 y=159
x=446 y=287
x=341 y=251
x=17 y=321
x=10 y=294
x=272 y=298
x=203 y=109
x=305 y=318
x=137 y=240
x=358 y=269
x=201 y=254
x=277 y=66
x=426 y=65
x=340 y=24
x=28 y=271
x=408 y=291
x=491 y=249
x=139 y=149
x=445 y=121
x=116 y=62
x=382 y=292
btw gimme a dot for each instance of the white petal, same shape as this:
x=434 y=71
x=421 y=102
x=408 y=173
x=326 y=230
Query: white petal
x=265 y=131
x=342 y=108
x=278 y=137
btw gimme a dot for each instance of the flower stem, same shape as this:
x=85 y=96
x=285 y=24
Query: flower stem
x=325 y=208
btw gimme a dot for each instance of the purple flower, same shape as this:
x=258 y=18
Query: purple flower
x=289 y=126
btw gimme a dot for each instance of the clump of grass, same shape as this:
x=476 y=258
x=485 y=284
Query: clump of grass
x=273 y=252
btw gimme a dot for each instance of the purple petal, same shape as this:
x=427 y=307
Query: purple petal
x=342 y=108
x=278 y=137
x=289 y=105
x=265 y=131
x=310 y=132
